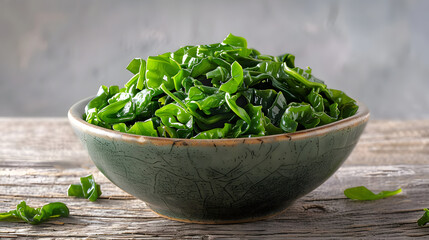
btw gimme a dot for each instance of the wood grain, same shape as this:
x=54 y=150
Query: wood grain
x=39 y=158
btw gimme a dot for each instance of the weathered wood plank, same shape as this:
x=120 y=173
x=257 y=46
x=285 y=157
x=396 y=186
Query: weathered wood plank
x=323 y=213
x=39 y=158
x=393 y=142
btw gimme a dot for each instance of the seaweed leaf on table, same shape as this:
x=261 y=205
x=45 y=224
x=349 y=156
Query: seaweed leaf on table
x=86 y=189
x=363 y=193
x=34 y=216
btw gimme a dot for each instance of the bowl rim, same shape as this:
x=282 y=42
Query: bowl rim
x=76 y=112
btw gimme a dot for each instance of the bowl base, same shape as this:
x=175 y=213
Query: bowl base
x=215 y=221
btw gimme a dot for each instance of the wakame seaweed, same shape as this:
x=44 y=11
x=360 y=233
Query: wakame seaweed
x=34 y=216
x=86 y=189
x=220 y=90
x=364 y=194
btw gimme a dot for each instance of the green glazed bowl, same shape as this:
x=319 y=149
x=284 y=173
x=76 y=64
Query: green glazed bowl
x=219 y=181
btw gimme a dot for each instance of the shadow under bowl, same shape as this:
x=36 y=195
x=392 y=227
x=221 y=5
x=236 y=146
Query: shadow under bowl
x=218 y=181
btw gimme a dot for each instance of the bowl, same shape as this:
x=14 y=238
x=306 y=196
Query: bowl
x=218 y=181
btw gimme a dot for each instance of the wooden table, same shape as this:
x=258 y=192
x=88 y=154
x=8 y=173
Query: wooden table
x=40 y=157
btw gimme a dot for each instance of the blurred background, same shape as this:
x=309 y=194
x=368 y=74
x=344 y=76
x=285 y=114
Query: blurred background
x=56 y=52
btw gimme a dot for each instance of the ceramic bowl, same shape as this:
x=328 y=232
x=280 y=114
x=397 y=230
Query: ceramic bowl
x=220 y=180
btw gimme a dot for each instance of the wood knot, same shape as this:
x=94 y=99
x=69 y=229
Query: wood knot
x=314 y=208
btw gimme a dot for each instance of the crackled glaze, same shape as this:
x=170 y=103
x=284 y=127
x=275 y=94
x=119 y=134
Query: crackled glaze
x=220 y=181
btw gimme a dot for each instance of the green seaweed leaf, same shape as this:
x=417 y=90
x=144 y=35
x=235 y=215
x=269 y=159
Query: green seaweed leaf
x=160 y=70
x=145 y=128
x=215 y=133
x=363 y=193
x=298 y=114
x=86 y=189
x=257 y=120
x=232 y=103
x=235 y=41
x=236 y=81
x=275 y=112
x=424 y=219
x=175 y=116
x=134 y=65
x=34 y=216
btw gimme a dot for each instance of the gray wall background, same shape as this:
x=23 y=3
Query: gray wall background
x=55 y=52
